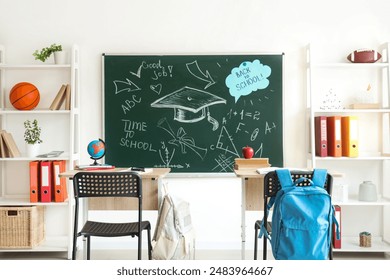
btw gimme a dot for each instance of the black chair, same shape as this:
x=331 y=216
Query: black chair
x=109 y=184
x=271 y=187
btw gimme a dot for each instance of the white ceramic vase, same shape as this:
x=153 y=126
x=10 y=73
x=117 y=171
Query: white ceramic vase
x=367 y=191
x=60 y=57
x=33 y=150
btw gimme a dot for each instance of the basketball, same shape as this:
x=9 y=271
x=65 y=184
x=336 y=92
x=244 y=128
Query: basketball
x=24 y=96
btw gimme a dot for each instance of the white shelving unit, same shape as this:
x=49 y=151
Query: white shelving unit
x=348 y=81
x=60 y=131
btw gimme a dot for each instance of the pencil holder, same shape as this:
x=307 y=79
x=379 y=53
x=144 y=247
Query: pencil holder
x=365 y=239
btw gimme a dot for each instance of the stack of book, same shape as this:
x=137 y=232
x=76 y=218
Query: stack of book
x=87 y=167
x=251 y=163
x=62 y=97
x=8 y=147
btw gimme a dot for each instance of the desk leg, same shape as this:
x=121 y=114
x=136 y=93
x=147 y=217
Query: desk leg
x=243 y=209
x=83 y=221
x=160 y=192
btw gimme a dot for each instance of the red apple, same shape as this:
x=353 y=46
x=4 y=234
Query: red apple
x=247 y=152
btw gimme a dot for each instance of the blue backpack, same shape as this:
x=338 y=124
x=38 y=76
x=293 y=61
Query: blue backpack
x=302 y=218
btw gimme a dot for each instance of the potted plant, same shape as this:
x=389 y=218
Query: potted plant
x=32 y=136
x=45 y=53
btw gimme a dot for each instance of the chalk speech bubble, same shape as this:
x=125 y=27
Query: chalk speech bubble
x=247 y=78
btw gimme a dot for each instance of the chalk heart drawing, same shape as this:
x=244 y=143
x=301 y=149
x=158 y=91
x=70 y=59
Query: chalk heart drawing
x=156 y=88
x=247 y=78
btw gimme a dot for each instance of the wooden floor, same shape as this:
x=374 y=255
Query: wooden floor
x=199 y=255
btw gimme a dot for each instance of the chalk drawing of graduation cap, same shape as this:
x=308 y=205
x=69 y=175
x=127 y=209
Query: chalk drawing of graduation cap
x=190 y=104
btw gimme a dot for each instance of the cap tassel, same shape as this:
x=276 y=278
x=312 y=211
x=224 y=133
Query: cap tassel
x=213 y=121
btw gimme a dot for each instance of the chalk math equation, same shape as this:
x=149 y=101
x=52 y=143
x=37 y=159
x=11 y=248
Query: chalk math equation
x=192 y=113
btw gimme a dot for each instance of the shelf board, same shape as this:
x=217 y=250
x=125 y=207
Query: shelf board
x=23 y=157
x=25 y=201
x=350 y=65
x=351 y=244
x=50 y=244
x=354 y=201
x=352 y=111
x=34 y=66
x=9 y=111
x=365 y=157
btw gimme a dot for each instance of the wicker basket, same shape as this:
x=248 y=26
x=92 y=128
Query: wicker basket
x=22 y=227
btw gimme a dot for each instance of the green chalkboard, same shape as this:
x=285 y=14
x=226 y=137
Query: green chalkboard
x=192 y=113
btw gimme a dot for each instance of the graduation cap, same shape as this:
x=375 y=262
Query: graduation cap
x=189 y=104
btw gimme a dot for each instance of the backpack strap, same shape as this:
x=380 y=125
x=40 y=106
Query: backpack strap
x=319 y=177
x=263 y=228
x=284 y=177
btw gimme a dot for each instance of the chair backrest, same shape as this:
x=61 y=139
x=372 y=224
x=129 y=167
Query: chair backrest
x=107 y=184
x=272 y=184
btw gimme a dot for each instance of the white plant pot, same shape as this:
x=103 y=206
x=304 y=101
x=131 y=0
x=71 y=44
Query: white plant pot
x=33 y=150
x=60 y=57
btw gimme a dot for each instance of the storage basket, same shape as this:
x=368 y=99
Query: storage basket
x=22 y=227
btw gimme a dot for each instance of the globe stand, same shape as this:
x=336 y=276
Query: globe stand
x=95 y=163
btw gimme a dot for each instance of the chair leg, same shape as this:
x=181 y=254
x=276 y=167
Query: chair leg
x=264 y=248
x=149 y=244
x=140 y=245
x=256 y=241
x=88 y=247
x=74 y=248
x=331 y=252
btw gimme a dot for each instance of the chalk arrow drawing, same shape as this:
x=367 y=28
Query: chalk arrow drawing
x=195 y=71
x=127 y=85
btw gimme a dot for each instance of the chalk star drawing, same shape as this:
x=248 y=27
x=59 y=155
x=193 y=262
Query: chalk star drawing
x=195 y=71
x=180 y=138
x=225 y=142
x=121 y=86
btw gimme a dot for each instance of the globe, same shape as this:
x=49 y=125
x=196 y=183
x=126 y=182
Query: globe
x=96 y=149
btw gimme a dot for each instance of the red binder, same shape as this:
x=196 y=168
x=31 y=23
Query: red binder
x=337 y=242
x=59 y=184
x=334 y=136
x=46 y=181
x=321 y=138
x=34 y=180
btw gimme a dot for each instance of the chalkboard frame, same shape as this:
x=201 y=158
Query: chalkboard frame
x=148 y=55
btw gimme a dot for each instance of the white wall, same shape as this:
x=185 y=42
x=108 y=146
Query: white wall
x=201 y=26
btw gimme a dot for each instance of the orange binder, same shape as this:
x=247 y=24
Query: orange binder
x=349 y=136
x=334 y=136
x=59 y=184
x=321 y=138
x=46 y=181
x=34 y=180
x=337 y=241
